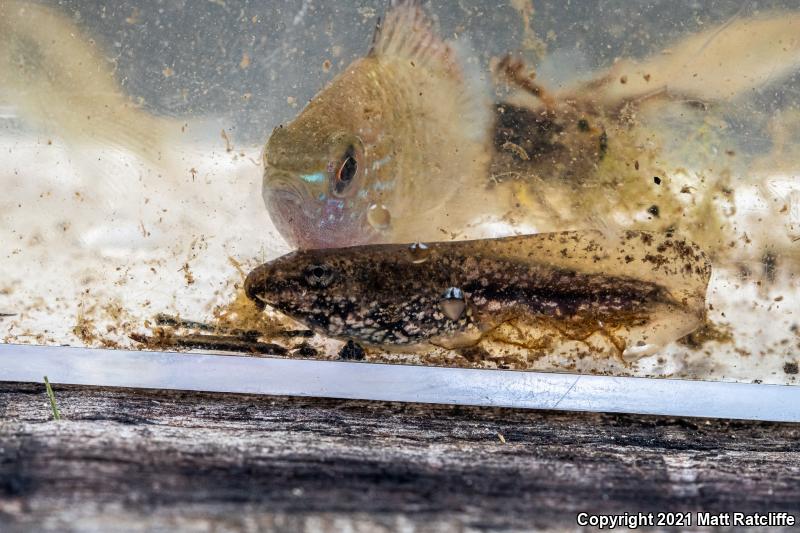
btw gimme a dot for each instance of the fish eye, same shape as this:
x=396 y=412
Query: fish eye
x=319 y=276
x=348 y=167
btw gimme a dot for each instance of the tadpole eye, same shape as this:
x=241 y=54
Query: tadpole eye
x=319 y=276
x=348 y=167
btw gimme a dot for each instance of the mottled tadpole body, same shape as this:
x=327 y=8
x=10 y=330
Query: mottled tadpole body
x=638 y=290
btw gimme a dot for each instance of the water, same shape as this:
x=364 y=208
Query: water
x=132 y=167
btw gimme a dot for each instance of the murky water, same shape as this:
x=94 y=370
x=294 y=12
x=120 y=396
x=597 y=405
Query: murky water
x=133 y=133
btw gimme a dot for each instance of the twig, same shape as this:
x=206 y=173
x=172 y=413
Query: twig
x=163 y=319
x=227 y=343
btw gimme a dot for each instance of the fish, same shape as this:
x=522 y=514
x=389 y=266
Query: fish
x=401 y=133
x=639 y=290
x=411 y=142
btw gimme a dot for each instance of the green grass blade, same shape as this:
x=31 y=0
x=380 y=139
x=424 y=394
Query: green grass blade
x=52 y=396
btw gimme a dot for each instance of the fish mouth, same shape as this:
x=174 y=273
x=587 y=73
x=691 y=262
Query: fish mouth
x=306 y=222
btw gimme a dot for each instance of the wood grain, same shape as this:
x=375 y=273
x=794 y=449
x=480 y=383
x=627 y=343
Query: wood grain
x=158 y=460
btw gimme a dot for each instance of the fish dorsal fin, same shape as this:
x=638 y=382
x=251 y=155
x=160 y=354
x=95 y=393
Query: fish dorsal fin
x=409 y=35
x=408 y=32
x=440 y=102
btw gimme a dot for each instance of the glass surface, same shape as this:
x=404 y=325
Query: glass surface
x=132 y=136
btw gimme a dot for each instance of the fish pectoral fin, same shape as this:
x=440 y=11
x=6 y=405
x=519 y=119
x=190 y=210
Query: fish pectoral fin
x=718 y=64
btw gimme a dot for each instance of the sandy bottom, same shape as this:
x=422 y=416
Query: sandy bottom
x=95 y=243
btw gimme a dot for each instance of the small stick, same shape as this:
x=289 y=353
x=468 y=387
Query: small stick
x=163 y=319
x=293 y=333
x=52 y=396
x=228 y=343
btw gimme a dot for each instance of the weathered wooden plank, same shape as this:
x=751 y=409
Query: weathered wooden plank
x=163 y=460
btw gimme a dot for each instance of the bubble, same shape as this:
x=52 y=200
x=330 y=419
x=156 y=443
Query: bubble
x=378 y=216
x=419 y=252
x=453 y=303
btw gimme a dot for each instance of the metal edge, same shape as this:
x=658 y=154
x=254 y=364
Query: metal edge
x=400 y=383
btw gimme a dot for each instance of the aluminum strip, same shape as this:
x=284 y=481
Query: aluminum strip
x=401 y=383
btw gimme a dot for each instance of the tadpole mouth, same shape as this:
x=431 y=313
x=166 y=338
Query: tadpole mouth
x=276 y=282
x=256 y=285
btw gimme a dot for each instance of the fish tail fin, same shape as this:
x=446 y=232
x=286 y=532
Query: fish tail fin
x=718 y=64
x=59 y=80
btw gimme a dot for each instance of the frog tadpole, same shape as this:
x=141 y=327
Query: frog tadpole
x=635 y=292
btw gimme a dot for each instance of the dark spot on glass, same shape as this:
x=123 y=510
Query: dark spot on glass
x=603 y=145
x=474 y=354
x=352 y=351
x=769 y=265
x=653 y=210
x=656 y=180
x=305 y=350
